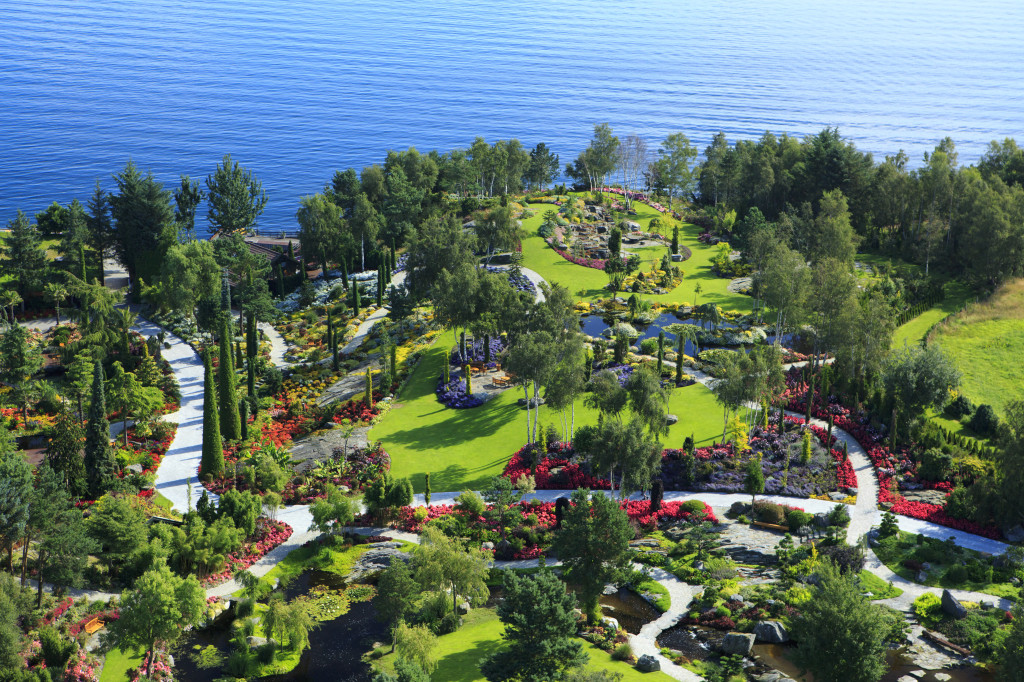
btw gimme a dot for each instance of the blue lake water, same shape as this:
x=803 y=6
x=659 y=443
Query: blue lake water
x=295 y=90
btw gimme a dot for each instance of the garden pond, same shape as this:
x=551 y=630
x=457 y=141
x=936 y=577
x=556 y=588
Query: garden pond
x=596 y=325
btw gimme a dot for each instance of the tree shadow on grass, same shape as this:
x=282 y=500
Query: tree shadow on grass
x=464 y=666
x=460 y=427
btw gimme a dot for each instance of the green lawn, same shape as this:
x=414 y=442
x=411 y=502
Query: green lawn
x=117 y=663
x=913 y=332
x=985 y=342
x=459 y=654
x=588 y=283
x=878 y=588
x=462 y=449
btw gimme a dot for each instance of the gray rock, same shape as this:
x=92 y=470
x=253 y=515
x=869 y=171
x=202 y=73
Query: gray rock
x=613 y=623
x=771 y=631
x=671 y=419
x=837 y=496
x=952 y=607
x=134 y=469
x=648 y=664
x=677 y=257
x=738 y=598
x=487 y=545
x=1015 y=534
x=922 y=576
x=259 y=641
x=609 y=590
x=463 y=608
x=907 y=678
x=919 y=674
x=942 y=677
x=377 y=559
x=737 y=643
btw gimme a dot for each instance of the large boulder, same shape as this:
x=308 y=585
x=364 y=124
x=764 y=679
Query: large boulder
x=771 y=631
x=375 y=560
x=1015 y=534
x=737 y=643
x=648 y=664
x=952 y=607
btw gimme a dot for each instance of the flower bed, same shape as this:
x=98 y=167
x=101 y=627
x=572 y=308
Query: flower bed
x=519 y=282
x=715 y=469
x=596 y=263
x=537 y=521
x=357 y=411
x=475 y=351
x=453 y=394
x=269 y=534
x=897 y=467
x=106 y=616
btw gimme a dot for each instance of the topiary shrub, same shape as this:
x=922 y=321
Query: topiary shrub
x=985 y=421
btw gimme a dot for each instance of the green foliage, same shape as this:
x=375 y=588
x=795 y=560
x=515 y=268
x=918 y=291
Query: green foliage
x=236 y=197
x=888 y=527
x=158 y=607
x=119 y=528
x=593 y=544
x=540 y=630
x=212 y=462
x=242 y=507
x=331 y=512
x=440 y=564
x=840 y=635
x=985 y=421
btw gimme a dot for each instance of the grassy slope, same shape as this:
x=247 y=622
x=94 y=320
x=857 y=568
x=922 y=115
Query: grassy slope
x=463 y=448
x=459 y=654
x=913 y=331
x=588 y=283
x=992 y=331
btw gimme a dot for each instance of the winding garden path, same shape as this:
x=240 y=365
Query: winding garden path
x=177 y=481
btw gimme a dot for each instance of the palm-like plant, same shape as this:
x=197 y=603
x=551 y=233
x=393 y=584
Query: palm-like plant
x=9 y=299
x=57 y=293
x=123 y=320
x=689 y=332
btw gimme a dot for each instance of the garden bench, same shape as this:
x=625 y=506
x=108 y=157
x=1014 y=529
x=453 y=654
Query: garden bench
x=772 y=526
x=93 y=625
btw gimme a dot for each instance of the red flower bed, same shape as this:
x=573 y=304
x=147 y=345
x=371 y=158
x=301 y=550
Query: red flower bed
x=887 y=463
x=595 y=263
x=356 y=411
x=844 y=470
x=58 y=611
x=638 y=511
x=269 y=534
x=570 y=477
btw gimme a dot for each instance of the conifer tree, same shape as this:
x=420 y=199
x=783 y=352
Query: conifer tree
x=148 y=372
x=369 y=387
x=355 y=299
x=227 y=388
x=99 y=458
x=64 y=453
x=212 y=462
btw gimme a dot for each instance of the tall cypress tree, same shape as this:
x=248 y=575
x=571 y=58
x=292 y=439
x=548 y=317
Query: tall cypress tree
x=227 y=388
x=99 y=458
x=212 y=462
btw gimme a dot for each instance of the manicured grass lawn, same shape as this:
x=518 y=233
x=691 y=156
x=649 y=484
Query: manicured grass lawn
x=462 y=449
x=913 y=332
x=117 y=663
x=588 y=283
x=985 y=341
x=459 y=654
x=878 y=588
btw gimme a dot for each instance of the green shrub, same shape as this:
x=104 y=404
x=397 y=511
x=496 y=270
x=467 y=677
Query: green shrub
x=623 y=652
x=797 y=519
x=985 y=420
x=692 y=506
x=935 y=465
x=927 y=606
x=769 y=512
x=839 y=516
x=960 y=406
x=649 y=347
x=955 y=575
x=265 y=653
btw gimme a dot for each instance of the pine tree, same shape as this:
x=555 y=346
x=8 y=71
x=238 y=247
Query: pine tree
x=23 y=255
x=148 y=372
x=369 y=388
x=243 y=414
x=64 y=453
x=99 y=458
x=355 y=299
x=212 y=462
x=239 y=359
x=227 y=389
